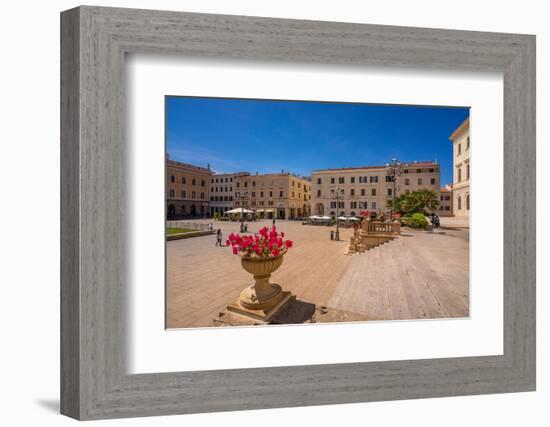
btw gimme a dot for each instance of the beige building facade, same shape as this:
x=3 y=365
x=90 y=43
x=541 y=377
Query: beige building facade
x=445 y=201
x=187 y=190
x=222 y=192
x=461 y=174
x=368 y=187
x=278 y=195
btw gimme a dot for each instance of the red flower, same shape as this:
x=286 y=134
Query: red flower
x=288 y=243
x=235 y=250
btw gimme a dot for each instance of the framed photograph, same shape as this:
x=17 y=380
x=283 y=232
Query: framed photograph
x=262 y=213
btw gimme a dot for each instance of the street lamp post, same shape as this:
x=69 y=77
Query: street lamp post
x=337 y=195
x=242 y=199
x=394 y=169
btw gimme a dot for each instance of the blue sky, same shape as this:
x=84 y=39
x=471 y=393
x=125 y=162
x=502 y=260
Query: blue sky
x=268 y=136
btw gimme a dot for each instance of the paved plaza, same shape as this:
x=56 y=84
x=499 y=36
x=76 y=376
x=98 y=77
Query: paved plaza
x=419 y=275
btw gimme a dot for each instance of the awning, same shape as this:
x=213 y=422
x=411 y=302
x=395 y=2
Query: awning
x=238 y=211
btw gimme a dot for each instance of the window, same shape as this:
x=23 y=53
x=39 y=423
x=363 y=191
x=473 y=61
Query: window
x=341 y=180
x=352 y=180
x=271 y=194
x=407 y=181
x=431 y=170
x=193 y=182
x=246 y=183
x=318 y=193
x=362 y=179
x=432 y=181
x=261 y=194
x=183 y=194
x=172 y=178
x=389 y=191
x=172 y=193
x=253 y=183
x=341 y=205
x=388 y=178
x=332 y=180
x=193 y=195
x=459 y=148
x=459 y=203
x=468 y=171
x=238 y=184
x=353 y=205
x=459 y=170
x=467 y=143
x=333 y=205
x=293 y=183
x=216 y=180
x=352 y=192
x=318 y=180
x=202 y=195
x=281 y=193
x=419 y=181
x=253 y=194
x=183 y=180
x=362 y=191
x=293 y=194
x=373 y=192
x=373 y=179
x=374 y=205
x=202 y=183
x=467 y=202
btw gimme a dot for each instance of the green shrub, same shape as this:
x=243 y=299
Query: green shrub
x=418 y=220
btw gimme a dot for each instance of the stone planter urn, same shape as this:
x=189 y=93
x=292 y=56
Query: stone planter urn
x=263 y=299
x=262 y=294
x=261 y=255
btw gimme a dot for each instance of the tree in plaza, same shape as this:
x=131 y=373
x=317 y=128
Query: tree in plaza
x=416 y=201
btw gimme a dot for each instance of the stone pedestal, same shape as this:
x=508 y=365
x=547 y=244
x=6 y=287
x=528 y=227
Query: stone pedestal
x=263 y=299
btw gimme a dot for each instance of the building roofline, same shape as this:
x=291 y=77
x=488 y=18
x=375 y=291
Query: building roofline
x=460 y=129
x=189 y=166
x=408 y=164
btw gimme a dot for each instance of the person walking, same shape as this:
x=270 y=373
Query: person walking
x=273 y=221
x=219 y=237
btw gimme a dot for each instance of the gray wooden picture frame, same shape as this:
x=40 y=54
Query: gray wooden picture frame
x=94 y=381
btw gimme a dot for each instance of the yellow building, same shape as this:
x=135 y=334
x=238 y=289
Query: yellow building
x=187 y=190
x=368 y=187
x=461 y=174
x=279 y=195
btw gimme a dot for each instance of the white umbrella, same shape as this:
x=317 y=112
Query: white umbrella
x=352 y=218
x=324 y=217
x=238 y=210
x=342 y=218
x=314 y=217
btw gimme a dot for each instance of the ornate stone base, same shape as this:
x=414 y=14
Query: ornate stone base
x=261 y=312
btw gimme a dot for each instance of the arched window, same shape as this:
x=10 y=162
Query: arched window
x=332 y=214
x=193 y=182
x=352 y=213
x=467 y=202
x=459 y=203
